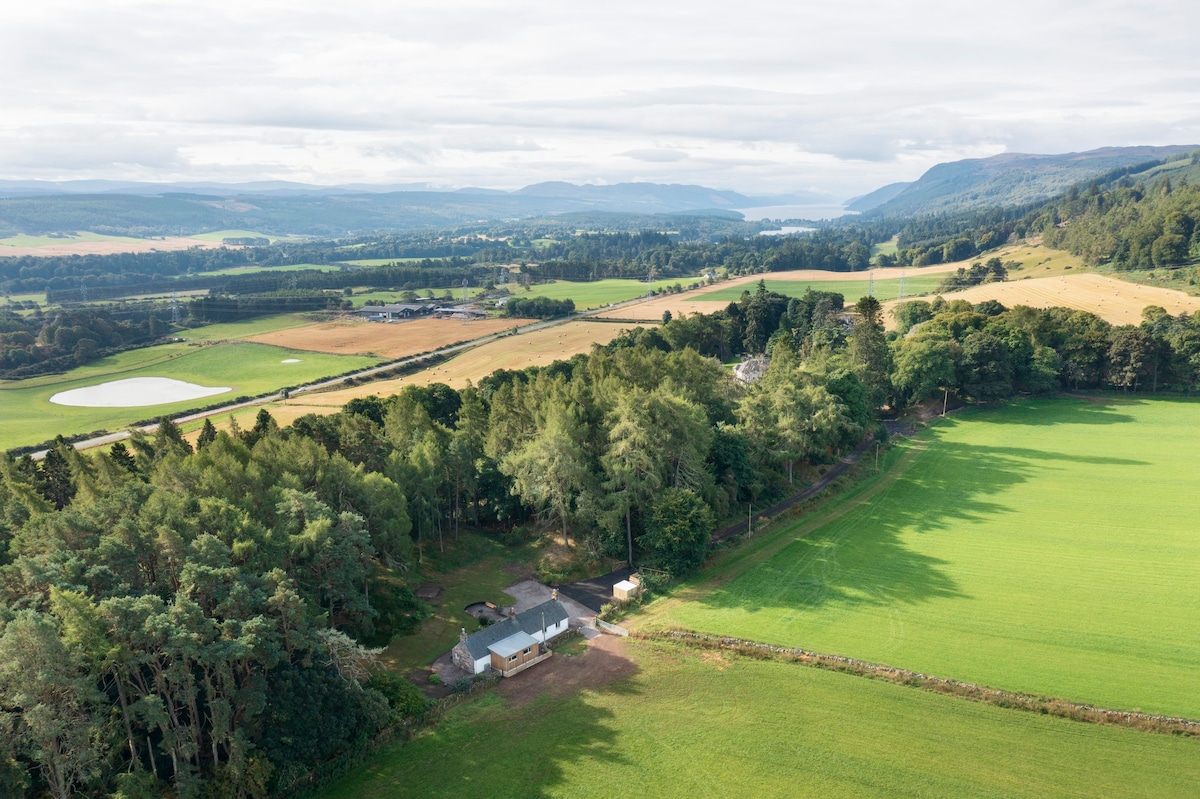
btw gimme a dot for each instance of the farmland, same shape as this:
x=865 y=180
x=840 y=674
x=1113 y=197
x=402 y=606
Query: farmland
x=596 y=293
x=1040 y=548
x=1117 y=301
x=247 y=368
x=851 y=290
x=385 y=340
x=678 y=722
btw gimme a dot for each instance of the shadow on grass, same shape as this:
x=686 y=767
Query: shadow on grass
x=504 y=747
x=1056 y=411
x=865 y=558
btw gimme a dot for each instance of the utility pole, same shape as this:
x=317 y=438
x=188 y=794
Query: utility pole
x=871 y=283
x=902 y=281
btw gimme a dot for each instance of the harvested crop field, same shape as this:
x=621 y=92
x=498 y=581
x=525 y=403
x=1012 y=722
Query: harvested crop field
x=539 y=348
x=1113 y=300
x=384 y=340
x=91 y=244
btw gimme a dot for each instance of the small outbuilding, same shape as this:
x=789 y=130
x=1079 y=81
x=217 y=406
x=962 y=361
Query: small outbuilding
x=626 y=590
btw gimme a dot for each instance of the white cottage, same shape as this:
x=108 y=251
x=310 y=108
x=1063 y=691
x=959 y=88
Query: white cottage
x=511 y=644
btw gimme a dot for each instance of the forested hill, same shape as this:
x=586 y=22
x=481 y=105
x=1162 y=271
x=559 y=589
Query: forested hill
x=1129 y=218
x=321 y=214
x=1010 y=179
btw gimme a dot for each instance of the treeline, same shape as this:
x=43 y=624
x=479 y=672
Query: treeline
x=538 y=307
x=53 y=341
x=987 y=352
x=224 y=308
x=1129 y=226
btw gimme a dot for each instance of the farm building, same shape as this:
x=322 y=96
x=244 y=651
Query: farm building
x=394 y=311
x=514 y=644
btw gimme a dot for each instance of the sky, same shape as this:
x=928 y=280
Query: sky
x=759 y=97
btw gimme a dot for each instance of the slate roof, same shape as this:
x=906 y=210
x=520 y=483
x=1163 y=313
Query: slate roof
x=527 y=622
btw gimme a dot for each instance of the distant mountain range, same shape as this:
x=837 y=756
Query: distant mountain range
x=279 y=207
x=1003 y=180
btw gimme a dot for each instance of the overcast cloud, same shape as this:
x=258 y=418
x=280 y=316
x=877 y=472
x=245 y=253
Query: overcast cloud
x=754 y=96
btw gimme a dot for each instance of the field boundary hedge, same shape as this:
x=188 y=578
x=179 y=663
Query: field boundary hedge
x=1032 y=703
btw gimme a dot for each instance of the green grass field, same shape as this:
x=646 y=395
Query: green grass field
x=888 y=247
x=255 y=326
x=29 y=417
x=851 y=290
x=1049 y=547
x=360 y=300
x=595 y=293
x=716 y=725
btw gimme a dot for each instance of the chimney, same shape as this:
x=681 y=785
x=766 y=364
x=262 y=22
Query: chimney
x=554 y=594
x=462 y=636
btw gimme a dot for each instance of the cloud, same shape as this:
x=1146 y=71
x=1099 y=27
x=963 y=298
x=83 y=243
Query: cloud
x=656 y=155
x=773 y=97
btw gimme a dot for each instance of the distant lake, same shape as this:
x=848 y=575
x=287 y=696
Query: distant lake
x=793 y=212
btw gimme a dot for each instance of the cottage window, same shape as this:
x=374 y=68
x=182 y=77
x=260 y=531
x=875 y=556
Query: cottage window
x=511 y=658
x=526 y=652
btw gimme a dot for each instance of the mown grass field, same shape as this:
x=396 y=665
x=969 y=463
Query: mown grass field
x=851 y=290
x=28 y=416
x=598 y=292
x=715 y=725
x=1047 y=547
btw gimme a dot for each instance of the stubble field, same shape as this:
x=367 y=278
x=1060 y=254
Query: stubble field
x=385 y=340
x=1117 y=301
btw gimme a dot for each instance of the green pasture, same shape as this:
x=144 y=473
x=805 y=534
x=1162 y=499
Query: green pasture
x=254 y=326
x=1047 y=547
x=29 y=417
x=888 y=247
x=360 y=300
x=596 y=293
x=686 y=723
x=852 y=290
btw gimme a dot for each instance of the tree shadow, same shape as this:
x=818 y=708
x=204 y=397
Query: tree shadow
x=1057 y=411
x=866 y=557
x=496 y=747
